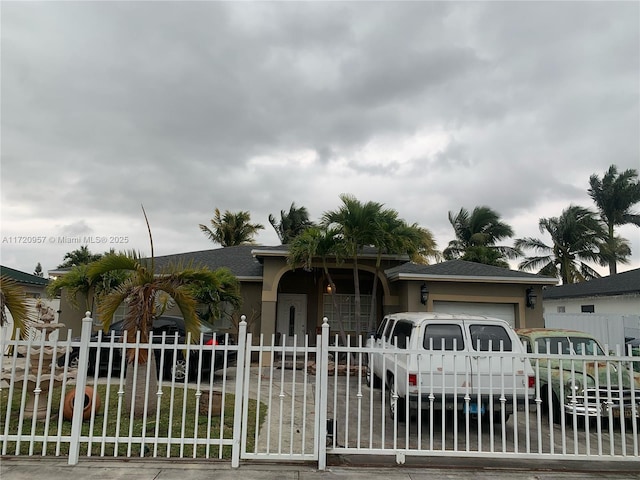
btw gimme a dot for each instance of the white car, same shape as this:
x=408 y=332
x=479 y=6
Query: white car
x=436 y=361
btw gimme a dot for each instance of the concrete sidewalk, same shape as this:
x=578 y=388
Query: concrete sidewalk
x=28 y=468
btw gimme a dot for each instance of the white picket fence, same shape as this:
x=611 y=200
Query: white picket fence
x=287 y=402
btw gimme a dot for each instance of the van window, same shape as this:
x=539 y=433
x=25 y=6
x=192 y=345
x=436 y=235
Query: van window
x=443 y=337
x=401 y=333
x=381 y=327
x=494 y=338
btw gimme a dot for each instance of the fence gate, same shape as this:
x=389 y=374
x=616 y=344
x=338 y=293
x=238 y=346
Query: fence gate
x=281 y=378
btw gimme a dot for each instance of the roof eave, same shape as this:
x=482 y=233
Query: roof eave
x=471 y=279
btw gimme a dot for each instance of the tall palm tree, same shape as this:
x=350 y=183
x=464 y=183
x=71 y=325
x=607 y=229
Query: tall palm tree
x=392 y=235
x=575 y=236
x=80 y=256
x=355 y=223
x=291 y=224
x=614 y=196
x=319 y=242
x=231 y=229
x=476 y=237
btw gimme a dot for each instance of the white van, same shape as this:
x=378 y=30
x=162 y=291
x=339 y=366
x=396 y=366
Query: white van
x=438 y=361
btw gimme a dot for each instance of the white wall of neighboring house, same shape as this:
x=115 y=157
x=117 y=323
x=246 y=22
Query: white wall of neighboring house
x=622 y=304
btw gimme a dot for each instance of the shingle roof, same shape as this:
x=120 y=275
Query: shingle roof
x=622 y=283
x=23 y=277
x=238 y=259
x=463 y=270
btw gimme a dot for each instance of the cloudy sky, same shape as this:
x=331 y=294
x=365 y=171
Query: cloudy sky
x=184 y=107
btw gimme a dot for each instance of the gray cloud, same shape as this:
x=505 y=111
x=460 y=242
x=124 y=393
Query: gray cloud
x=425 y=106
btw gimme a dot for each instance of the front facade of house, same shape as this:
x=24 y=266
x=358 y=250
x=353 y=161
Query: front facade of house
x=279 y=300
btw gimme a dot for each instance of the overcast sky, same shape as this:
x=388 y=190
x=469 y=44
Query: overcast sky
x=184 y=107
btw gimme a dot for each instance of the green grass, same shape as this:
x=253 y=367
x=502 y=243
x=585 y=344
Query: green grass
x=171 y=420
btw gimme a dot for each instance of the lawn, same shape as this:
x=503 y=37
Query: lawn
x=122 y=437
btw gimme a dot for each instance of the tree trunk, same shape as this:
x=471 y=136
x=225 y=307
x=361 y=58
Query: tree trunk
x=139 y=382
x=356 y=285
x=372 y=311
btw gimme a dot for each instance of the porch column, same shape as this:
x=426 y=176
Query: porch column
x=268 y=328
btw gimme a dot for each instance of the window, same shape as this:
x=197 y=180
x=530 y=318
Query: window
x=561 y=309
x=587 y=309
x=346 y=311
x=380 y=330
x=490 y=338
x=401 y=334
x=443 y=337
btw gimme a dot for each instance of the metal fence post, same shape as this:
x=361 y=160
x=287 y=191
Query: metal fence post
x=81 y=383
x=323 y=367
x=237 y=409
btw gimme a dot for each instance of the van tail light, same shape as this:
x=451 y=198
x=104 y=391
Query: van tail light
x=532 y=381
x=211 y=341
x=413 y=380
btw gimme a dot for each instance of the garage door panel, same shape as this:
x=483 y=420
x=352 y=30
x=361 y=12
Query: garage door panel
x=504 y=311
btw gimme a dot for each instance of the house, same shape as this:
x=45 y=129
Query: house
x=33 y=286
x=279 y=300
x=618 y=293
x=608 y=307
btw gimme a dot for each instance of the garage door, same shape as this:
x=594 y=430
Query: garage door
x=505 y=311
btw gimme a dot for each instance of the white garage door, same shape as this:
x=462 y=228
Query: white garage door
x=505 y=311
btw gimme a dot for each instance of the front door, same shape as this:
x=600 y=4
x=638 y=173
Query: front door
x=292 y=317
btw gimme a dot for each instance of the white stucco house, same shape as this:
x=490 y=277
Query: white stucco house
x=607 y=307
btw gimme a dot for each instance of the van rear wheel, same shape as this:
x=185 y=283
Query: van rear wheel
x=397 y=404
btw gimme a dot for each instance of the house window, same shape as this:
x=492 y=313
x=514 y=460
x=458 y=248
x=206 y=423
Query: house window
x=587 y=309
x=346 y=311
x=561 y=309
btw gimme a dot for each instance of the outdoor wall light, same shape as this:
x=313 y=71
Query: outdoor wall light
x=424 y=294
x=329 y=288
x=531 y=298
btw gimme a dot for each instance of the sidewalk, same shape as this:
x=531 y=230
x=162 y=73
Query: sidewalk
x=28 y=468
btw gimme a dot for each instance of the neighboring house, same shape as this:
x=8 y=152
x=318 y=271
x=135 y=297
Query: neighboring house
x=284 y=301
x=608 y=307
x=618 y=293
x=34 y=286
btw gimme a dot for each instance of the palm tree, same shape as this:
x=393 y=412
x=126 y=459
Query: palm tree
x=392 y=235
x=614 y=196
x=213 y=297
x=355 y=224
x=14 y=299
x=476 y=237
x=81 y=256
x=144 y=291
x=231 y=229
x=77 y=284
x=291 y=224
x=576 y=236
x=320 y=242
